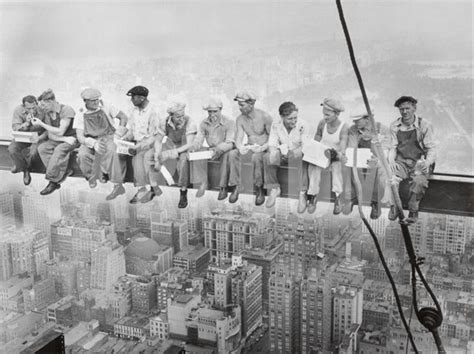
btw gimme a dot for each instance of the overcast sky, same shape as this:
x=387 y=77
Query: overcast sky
x=31 y=31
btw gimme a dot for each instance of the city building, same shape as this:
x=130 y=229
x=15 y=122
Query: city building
x=246 y=285
x=13 y=286
x=169 y=232
x=107 y=265
x=226 y=233
x=7 y=211
x=222 y=285
x=136 y=327
x=143 y=294
x=159 y=326
x=64 y=275
x=145 y=256
x=39 y=295
x=193 y=259
x=347 y=311
x=40 y=211
x=61 y=312
x=284 y=309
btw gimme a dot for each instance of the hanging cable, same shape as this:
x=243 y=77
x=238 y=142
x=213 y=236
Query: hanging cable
x=431 y=318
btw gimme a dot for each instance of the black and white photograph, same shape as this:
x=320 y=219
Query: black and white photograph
x=241 y=176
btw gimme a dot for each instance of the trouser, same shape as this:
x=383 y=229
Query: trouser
x=141 y=169
x=22 y=154
x=199 y=171
x=314 y=175
x=55 y=156
x=418 y=181
x=179 y=166
x=374 y=178
x=257 y=164
x=271 y=165
x=91 y=163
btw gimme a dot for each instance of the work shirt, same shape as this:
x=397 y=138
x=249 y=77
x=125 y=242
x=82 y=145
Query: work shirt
x=294 y=139
x=360 y=138
x=177 y=135
x=256 y=125
x=20 y=115
x=143 y=123
x=61 y=111
x=220 y=131
x=424 y=136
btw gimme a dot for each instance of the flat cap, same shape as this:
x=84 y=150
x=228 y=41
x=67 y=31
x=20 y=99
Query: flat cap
x=245 y=96
x=333 y=104
x=212 y=103
x=175 y=107
x=138 y=91
x=359 y=116
x=90 y=94
x=405 y=99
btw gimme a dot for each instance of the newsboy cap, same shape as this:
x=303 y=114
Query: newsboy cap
x=245 y=96
x=212 y=103
x=405 y=99
x=138 y=91
x=333 y=104
x=359 y=116
x=90 y=94
x=175 y=107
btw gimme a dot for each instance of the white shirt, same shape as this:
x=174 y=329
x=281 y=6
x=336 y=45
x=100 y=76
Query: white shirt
x=294 y=139
x=143 y=123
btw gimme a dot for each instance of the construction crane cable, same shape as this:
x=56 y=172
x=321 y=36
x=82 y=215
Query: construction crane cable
x=431 y=318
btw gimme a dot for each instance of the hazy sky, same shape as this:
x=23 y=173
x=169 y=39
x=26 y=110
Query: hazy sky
x=31 y=31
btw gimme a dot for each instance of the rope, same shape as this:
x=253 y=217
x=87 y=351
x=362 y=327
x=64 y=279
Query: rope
x=430 y=318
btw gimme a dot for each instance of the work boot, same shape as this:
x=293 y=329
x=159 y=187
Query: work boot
x=183 y=199
x=312 y=202
x=14 y=169
x=274 y=193
x=26 y=177
x=222 y=193
x=50 y=188
x=104 y=178
x=412 y=217
x=234 y=195
x=302 y=202
x=348 y=206
x=375 y=212
x=201 y=190
x=337 y=206
x=259 y=197
x=92 y=183
x=118 y=190
x=392 y=214
x=148 y=196
x=136 y=198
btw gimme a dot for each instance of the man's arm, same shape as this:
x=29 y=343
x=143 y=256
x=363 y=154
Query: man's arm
x=319 y=131
x=18 y=124
x=352 y=138
x=239 y=135
x=430 y=144
x=191 y=131
x=343 y=137
x=199 y=139
x=58 y=131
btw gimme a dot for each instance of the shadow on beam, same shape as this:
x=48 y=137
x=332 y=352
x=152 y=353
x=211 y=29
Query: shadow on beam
x=447 y=194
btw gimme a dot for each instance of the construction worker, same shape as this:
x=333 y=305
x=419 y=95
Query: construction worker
x=360 y=136
x=255 y=124
x=95 y=130
x=143 y=129
x=412 y=154
x=219 y=133
x=180 y=132
x=331 y=132
x=61 y=141
x=22 y=122
x=285 y=149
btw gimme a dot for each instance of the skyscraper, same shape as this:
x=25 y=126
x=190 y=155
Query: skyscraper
x=169 y=232
x=7 y=214
x=284 y=313
x=347 y=310
x=143 y=294
x=41 y=211
x=107 y=265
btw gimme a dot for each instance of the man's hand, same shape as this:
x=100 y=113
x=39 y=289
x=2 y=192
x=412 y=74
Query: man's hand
x=283 y=149
x=258 y=148
x=35 y=139
x=36 y=122
x=157 y=165
x=244 y=149
x=120 y=131
x=342 y=157
x=99 y=146
x=70 y=140
x=394 y=166
x=422 y=166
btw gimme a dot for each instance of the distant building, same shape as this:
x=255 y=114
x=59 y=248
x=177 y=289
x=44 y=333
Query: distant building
x=7 y=211
x=107 y=265
x=169 y=232
x=39 y=295
x=226 y=233
x=143 y=294
x=13 y=286
x=40 y=211
x=145 y=256
x=222 y=285
x=64 y=275
x=159 y=326
x=193 y=259
x=61 y=312
x=121 y=297
x=135 y=328
x=347 y=310
x=246 y=283
x=284 y=311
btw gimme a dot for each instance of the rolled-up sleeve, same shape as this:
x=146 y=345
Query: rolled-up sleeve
x=17 y=119
x=393 y=136
x=230 y=130
x=161 y=128
x=154 y=124
x=191 y=127
x=79 y=122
